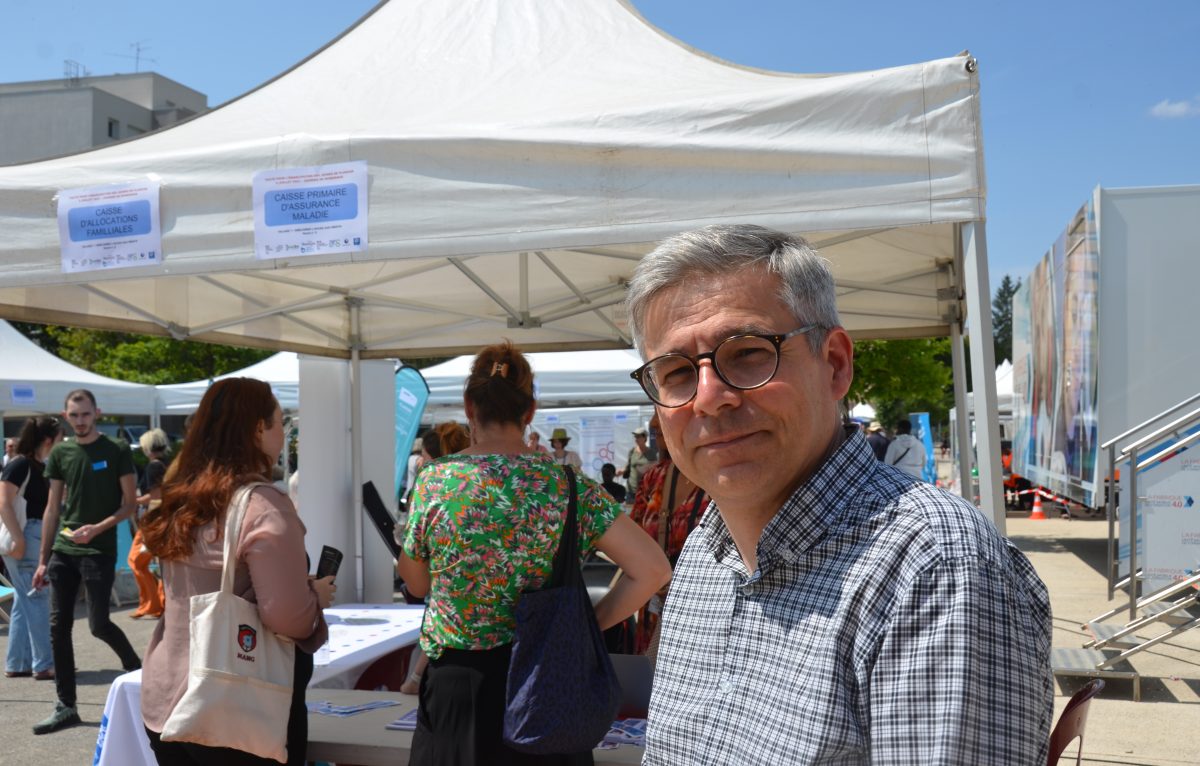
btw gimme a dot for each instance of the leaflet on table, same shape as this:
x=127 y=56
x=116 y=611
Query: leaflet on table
x=318 y=210
x=324 y=707
x=626 y=731
x=110 y=227
x=406 y=722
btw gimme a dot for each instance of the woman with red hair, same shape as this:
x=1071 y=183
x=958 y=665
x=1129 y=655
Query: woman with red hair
x=234 y=440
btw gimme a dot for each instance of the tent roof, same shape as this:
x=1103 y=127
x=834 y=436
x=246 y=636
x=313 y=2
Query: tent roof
x=562 y=379
x=523 y=155
x=281 y=370
x=51 y=378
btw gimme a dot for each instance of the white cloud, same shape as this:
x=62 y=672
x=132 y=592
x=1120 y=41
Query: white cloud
x=1168 y=109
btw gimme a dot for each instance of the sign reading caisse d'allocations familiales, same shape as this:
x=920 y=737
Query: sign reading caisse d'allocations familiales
x=109 y=227
x=310 y=211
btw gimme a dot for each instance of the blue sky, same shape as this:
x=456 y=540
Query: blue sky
x=1074 y=94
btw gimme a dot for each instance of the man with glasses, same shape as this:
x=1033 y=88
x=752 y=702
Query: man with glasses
x=827 y=608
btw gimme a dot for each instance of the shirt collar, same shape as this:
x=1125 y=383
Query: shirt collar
x=812 y=509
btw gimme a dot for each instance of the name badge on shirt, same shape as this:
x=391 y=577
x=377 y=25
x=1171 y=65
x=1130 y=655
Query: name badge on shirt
x=100 y=466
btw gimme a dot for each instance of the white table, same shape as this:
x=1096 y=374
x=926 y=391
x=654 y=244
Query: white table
x=363 y=739
x=359 y=634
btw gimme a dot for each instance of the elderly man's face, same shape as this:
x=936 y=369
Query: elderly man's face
x=748 y=449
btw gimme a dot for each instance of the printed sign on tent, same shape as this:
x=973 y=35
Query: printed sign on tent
x=23 y=394
x=109 y=227
x=319 y=210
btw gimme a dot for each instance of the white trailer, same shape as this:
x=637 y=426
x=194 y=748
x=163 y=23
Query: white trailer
x=1105 y=338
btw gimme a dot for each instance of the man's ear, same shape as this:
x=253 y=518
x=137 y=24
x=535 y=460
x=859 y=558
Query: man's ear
x=839 y=354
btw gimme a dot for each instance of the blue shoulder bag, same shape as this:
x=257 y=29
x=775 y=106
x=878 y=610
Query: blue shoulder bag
x=562 y=692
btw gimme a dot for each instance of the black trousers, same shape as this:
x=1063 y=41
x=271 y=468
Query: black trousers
x=96 y=573
x=460 y=721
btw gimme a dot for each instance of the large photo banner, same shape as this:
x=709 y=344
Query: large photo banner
x=1055 y=365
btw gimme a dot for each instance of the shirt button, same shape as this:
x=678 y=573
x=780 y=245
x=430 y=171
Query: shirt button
x=725 y=686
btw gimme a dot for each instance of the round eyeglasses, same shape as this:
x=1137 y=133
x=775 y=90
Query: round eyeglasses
x=743 y=362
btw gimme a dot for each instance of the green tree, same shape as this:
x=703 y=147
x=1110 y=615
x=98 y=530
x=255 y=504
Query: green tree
x=147 y=359
x=1002 y=318
x=897 y=377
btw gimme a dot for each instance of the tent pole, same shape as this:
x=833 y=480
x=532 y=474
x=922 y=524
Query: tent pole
x=354 y=305
x=983 y=370
x=962 y=418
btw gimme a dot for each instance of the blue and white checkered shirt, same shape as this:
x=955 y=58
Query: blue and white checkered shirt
x=888 y=622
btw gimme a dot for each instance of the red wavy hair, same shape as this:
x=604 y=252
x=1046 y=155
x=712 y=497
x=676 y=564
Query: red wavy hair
x=221 y=452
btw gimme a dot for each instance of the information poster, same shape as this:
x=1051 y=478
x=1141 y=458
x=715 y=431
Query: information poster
x=310 y=211
x=109 y=227
x=596 y=445
x=1168 y=516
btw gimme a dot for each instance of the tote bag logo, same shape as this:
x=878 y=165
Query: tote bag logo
x=247 y=640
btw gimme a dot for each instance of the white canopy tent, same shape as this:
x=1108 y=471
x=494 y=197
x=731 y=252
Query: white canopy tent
x=561 y=379
x=33 y=381
x=281 y=370
x=523 y=155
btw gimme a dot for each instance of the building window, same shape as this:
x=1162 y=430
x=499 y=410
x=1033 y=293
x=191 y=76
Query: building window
x=114 y=129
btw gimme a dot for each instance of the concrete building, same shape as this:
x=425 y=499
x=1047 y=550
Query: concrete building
x=48 y=118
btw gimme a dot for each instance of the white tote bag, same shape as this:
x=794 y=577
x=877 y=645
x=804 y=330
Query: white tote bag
x=7 y=542
x=240 y=674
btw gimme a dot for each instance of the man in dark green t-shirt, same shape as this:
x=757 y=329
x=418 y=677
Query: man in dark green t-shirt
x=96 y=475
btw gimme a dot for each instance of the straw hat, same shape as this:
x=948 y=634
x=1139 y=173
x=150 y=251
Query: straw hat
x=875 y=426
x=560 y=433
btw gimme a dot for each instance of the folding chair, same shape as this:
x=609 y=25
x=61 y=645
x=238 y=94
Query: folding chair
x=6 y=594
x=1073 y=721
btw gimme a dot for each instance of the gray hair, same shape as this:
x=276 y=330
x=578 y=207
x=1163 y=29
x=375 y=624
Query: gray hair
x=154 y=440
x=806 y=284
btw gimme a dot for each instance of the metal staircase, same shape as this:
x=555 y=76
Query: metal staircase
x=1171 y=610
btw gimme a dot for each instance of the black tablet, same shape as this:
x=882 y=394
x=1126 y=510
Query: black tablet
x=380 y=518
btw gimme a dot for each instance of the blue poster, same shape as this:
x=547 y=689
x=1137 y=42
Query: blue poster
x=921 y=430
x=411 y=394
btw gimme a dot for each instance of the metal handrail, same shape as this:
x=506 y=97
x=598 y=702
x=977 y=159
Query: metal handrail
x=1168 y=428
x=1148 y=421
x=1181 y=443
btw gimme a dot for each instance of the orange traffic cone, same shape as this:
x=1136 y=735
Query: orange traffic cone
x=1037 y=514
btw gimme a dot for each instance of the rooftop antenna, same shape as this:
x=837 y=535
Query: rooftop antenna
x=137 y=57
x=73 y=71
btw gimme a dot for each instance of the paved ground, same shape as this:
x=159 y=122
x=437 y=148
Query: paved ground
x=1162 y=730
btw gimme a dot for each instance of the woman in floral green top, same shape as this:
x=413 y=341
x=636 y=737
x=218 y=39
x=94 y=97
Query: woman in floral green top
x=483 y=527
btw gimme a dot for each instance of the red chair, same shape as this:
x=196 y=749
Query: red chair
x=387 y=672
x=1073 y=721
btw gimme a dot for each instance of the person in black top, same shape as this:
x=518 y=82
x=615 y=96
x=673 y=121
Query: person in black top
x=877 y=439
x=608 y=476
x=29 y=651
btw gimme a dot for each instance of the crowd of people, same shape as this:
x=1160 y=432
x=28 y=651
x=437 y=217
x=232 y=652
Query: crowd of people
x=803 y=596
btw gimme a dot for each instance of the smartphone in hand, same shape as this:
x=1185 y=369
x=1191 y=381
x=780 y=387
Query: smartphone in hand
x=331 y=559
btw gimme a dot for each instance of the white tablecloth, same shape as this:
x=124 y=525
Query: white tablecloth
x=359 y=634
